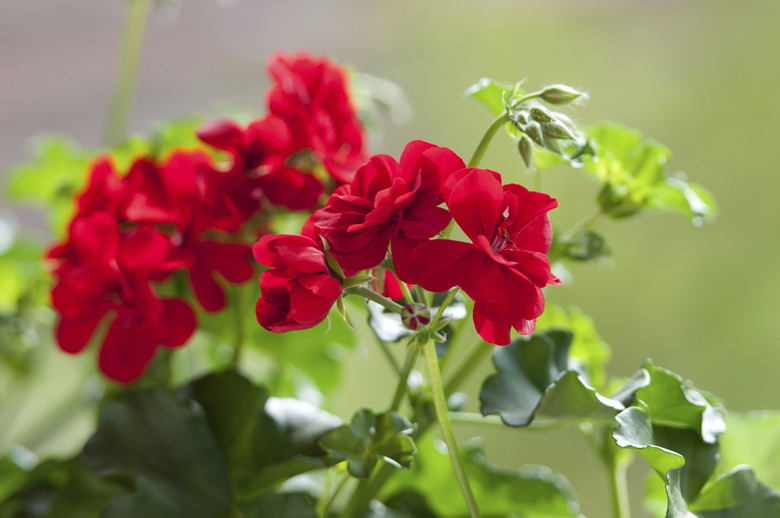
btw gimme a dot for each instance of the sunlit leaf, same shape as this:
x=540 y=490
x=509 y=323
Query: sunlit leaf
x=753 y=438
x=491 y=93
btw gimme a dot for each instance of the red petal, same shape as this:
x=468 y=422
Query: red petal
x=491 y=332
x=438 y=265
x=231 y=260
x=222 y=134
x=476 y=203
x=126 y=350
x=207 y=290
x=179 y=321
x=410 y=157
x=73 y=333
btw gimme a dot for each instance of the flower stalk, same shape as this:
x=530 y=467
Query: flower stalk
x=129 y=58
x=443 y=418
x=499 y=121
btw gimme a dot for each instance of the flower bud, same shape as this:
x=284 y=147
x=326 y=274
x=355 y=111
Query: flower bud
x=534 y=130
x=557 y=129
x=415 y=315
x=541 y=114
x=521 y=117
x=525 y=146
x=560 y=94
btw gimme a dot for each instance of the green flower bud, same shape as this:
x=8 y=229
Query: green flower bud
x=534 y=130
x=541 y=114
x=557 y=129
x=415 y=316
x=520 y=117
x=525 y=146
x=560 y=94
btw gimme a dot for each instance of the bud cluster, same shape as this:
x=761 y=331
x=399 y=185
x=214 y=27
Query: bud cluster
x=536 y=124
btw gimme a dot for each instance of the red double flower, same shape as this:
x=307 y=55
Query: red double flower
x=102 y=271
x=504 y=267
x=299 y=289
x=388 y=203
x=311 y=95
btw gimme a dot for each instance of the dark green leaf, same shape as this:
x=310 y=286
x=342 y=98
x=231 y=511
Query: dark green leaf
x=535 y=380
x=528 y=491
x=368 y=438
x=588 y=353
x=584 y=245
x=172 y=450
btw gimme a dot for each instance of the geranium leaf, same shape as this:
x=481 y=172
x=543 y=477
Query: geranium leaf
x=286 y=505
x=528 y=491
x=368 y=438
x=737 y=493
x=672 y=402
x=169 y=447
x=265 y=440
x=753 y=438
x=634 y=174
x=491 y=93
x=534 y=379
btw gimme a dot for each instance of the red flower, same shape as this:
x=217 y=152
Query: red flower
x=260 y=153
x=310 y=95
x=181 y=193
x=504 y=267
x=101 y=271
x=388 y=204
x=299 y=289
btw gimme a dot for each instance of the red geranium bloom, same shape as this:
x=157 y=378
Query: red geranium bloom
x=504 y=267
x=310 y=95
x=180 y=193
x=299 y=289
x=101 y=271
x=260 y=153
x=388 y=204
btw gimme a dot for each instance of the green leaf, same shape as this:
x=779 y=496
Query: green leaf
x=588 y=353
x=737 y=494
x=635 y=431
x=265 y=440
x=169 y=446
x=672 y=402
x=634 y=174
x=528 y=491
x=753 y=438
x=491 y=93
x=536 y=380
x=368 y=438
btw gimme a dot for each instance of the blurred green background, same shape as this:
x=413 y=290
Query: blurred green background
x=700 y=77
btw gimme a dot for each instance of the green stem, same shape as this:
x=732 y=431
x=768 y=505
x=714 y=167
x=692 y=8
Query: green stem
x=619 y=489
x=129 y=57
x=389 y=355
x=499 y=121
x=478 y=354
x=442 y=416
x=586 y=222
x=403 y=383
x=407 y=293
x=238 y=343
x=447 y=301
x=376 y=297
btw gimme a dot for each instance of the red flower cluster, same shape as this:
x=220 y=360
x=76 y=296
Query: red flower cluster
x=186 y=212
x=395 y=206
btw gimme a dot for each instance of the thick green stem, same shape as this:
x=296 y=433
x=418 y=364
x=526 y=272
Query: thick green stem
x=129 y=57
x=619 y=489
x=442 y=416
x=481 y=351
x=476 y=158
